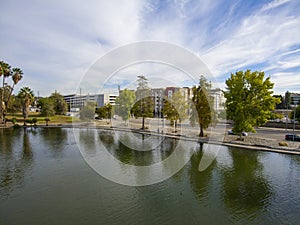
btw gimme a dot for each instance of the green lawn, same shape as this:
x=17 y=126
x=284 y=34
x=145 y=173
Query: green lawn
x=57 y=119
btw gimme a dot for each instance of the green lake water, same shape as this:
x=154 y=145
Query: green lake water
x=44 y=179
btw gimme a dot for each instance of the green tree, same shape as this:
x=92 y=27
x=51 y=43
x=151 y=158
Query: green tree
x=124 y=103
x=6 y=90
x=175 y=109
x=287 y=100
x=59 y=104
x=249 y=100
x=297 y=113
x=27 y=97
x=144 y=106
x=105 y=112
x=87 y=113
x=202 y=111
x=47 y=107
x=14 y=105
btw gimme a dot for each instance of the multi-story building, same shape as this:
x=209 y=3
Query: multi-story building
x=295 y=99
x=77 y=101
x=158 y=96
x=219 y=99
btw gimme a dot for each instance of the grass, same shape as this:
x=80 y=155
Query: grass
x=57 y=119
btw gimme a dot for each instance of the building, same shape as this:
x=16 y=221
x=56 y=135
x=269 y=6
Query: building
x=76 y=102
x=295 y=99
x=110 y=98
x=219 y=99
x=158 y=96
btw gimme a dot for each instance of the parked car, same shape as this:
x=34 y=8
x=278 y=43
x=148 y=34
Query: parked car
x=292 y=137
x=230 y=132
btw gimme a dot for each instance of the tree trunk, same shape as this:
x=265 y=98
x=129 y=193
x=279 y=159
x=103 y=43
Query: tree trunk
x=201 y=131
x=143 y=123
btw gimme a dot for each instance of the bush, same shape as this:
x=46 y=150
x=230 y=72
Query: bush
x=16 y=125
x=34 y=121
x=47 y=120
x=282 y=143
x=14 y=120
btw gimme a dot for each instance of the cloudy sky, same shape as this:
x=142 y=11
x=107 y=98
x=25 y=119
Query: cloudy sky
x=56 y=42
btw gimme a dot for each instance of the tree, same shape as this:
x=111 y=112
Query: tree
x=87 y=113
x=46 y=106
x=249 y=100
x=124 y=104
x=59 y=104
x=281 y=104
x=27 y=97
x=6 y=89
x=296 y=112
x=287 y=100
x=105 y=112
x=175 y=109
x=202 y=111
x=144 y=106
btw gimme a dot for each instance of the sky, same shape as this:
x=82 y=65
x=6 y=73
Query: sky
x=57 y=42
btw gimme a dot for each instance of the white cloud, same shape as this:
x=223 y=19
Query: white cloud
x=56 y=42
x=260 y=39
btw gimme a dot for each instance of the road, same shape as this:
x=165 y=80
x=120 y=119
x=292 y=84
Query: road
x=262 y=132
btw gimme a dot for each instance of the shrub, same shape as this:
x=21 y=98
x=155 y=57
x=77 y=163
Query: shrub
x=14 y=120
x=34 y=121
x=282 y=143
x=47 y=120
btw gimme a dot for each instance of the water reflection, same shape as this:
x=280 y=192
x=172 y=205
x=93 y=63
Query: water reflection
x=200 y=180
x=131 y=156
x=56 y=140
x=245 y=188
x=16 y=161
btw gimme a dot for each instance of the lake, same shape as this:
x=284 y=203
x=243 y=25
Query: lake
x=45 y=178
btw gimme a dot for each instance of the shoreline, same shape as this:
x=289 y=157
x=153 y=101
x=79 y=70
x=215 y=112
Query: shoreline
x=230 y=141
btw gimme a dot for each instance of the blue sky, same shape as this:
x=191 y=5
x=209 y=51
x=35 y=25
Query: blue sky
x=56 y=42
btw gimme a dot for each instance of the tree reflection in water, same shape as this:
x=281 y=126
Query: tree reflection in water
x=15 y=165
x=245 y=189
x=200 y=180
x=56 y=140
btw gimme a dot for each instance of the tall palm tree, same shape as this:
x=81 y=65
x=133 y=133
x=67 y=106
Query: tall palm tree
x=5 y=72
x=26 y=95
x=17 y=75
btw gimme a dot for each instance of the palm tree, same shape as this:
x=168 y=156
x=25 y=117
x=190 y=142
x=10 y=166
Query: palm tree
x=26 y=95
x=17 y=75
x=5 y=72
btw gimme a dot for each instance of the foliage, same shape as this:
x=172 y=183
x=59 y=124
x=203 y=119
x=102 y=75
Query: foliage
x=14 y=120
x=175 y=108
x=248 y=100
x=124 y=104
x=202 y=111
x=283 y=143
x=47 y=119
x=87 y=113
x=14 y=105
x=275 y=116
x=60 y=106
x=34 y=121
x=27 y=97
x=46 y=106
x=105 y=112
x=144 y=106
x=297 y=113
x=16 y=75
x=287 y=100
x=281 y=102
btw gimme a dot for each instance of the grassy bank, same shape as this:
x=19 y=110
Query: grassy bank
x=57 y=119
